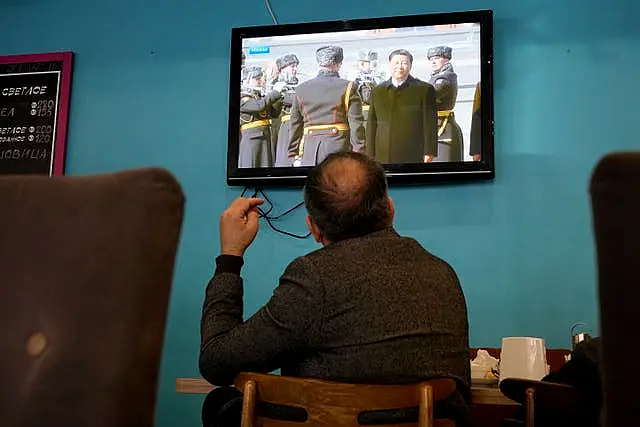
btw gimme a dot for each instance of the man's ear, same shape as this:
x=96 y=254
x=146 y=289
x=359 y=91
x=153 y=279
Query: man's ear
x=313 y=228
x=392 y=209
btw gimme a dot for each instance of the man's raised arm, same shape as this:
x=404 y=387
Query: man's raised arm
x=288 y=323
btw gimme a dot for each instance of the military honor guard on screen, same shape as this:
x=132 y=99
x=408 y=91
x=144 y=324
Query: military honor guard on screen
x=285 y=83
x=445 y=82
x=326 y=115
x=367 y=77
x=476 y=127
x=401 y=119
x=256 y=112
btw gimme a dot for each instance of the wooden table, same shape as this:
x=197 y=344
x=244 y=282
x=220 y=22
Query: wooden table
x=480 y=394
x=488 y=405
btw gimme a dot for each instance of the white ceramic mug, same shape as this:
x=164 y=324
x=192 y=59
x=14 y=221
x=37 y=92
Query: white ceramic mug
x=523 y=357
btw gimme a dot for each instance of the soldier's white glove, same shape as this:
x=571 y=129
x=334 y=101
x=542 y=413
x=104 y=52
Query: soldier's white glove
x=278 y=86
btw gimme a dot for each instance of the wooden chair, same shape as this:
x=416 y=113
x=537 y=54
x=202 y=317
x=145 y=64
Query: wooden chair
x=563 y=403
x=334 y=404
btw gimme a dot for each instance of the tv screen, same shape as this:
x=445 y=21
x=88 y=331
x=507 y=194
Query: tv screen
x=413 y=92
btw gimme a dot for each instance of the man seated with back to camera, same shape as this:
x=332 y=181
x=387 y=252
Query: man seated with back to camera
x=370 y=306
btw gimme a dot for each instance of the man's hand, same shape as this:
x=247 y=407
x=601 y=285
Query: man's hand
x=428 y=158
x=239 y=226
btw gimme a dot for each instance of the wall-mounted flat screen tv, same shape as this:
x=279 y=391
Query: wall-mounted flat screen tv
x=414 y=92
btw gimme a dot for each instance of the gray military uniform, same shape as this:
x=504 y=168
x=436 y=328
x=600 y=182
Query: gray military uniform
x=281 y=149
x=326 y=115
x=445 y=81
x=365 y=81
x=282 y=158
x=255 y=129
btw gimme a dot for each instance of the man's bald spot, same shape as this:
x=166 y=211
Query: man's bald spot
x=345 y=179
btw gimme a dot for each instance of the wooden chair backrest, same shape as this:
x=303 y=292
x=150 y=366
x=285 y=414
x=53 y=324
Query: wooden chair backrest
x=337 y=404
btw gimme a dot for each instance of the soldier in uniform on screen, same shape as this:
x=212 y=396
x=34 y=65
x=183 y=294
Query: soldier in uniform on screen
x=326 y=115
x=286 y=83
x=475 y=145
x=445 y=81
x=256 y=111
x=367 y=78
x=244 y=58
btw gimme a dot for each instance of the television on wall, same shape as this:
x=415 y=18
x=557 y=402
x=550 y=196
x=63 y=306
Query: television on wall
x=414 y=92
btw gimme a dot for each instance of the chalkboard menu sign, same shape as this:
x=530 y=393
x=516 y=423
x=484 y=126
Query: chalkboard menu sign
x=34 y=110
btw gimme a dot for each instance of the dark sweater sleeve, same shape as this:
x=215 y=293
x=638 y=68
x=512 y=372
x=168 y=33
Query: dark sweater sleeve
x=287 y=324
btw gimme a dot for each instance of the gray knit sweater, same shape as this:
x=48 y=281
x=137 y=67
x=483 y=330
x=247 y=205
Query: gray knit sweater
x=376 y=309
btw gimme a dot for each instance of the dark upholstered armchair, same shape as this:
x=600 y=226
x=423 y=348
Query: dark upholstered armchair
x=615 y=200
x=86 y=266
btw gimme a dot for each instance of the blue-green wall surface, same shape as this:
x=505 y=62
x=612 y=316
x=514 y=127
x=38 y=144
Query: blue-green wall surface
x=150 y=88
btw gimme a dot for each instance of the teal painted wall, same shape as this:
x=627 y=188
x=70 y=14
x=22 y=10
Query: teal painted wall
x=150 y=88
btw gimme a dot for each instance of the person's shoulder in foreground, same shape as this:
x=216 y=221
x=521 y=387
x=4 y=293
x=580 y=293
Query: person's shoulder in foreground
x=369 y=306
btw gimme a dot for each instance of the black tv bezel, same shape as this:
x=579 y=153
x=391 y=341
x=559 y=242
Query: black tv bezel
x=436 y=172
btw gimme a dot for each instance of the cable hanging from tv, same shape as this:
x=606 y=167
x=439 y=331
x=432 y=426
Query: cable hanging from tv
x=265 y=213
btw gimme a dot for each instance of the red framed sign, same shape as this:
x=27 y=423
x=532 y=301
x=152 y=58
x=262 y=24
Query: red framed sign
x=34 y=112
